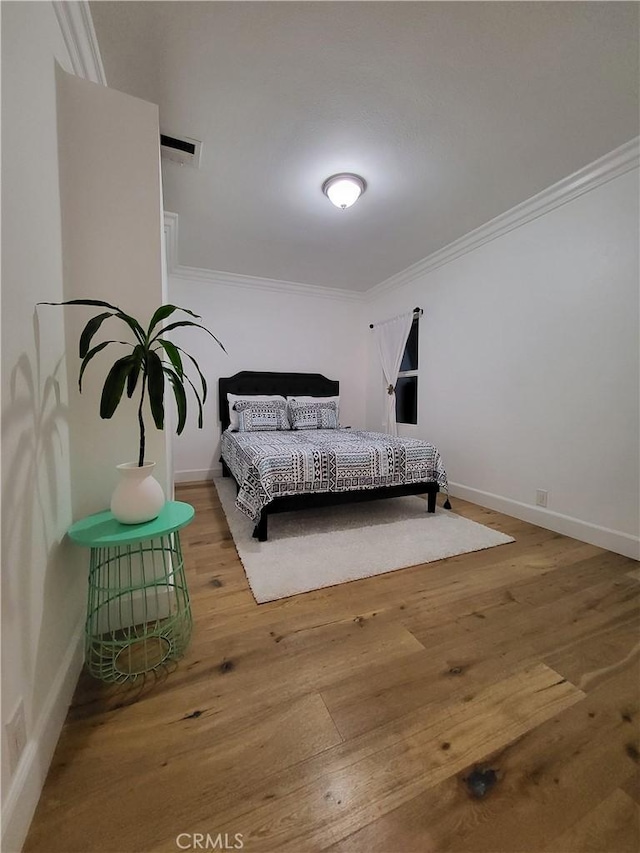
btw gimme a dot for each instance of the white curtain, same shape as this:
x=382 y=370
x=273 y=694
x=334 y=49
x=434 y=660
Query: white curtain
x=391 y=338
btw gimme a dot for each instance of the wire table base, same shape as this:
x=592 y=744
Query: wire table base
x=138 y=609
x=139 y=614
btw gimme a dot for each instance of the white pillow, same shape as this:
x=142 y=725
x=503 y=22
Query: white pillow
x=301 y=399
x=234 y=421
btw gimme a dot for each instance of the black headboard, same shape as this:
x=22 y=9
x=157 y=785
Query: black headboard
x=286 y=384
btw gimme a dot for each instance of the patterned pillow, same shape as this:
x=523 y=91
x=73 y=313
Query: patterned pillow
x=232 y=399
x=302 y=399
x=313 y=415
x=254 y=416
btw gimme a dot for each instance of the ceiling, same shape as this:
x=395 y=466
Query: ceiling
x=453 y=112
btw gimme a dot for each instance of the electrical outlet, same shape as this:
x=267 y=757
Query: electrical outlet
x=541 y=497
x=16 y=733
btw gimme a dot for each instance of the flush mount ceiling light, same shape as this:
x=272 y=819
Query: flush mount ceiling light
x=344 y=189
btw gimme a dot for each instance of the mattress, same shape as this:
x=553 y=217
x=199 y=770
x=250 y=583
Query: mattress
x=271 y=464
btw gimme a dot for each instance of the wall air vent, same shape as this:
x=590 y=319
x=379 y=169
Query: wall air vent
x=181 y=150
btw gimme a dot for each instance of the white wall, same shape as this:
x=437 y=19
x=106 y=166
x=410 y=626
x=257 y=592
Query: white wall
x=43 y=578
x=529 y=353
x=112 y=237
x=264 y=329
x=57 y=456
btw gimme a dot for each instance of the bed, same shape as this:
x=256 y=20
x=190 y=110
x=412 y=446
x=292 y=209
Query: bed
x=287 y=470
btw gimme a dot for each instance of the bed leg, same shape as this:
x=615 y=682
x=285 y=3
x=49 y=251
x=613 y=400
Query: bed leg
x=431 y=501
x=225 y=469
x=260 y=530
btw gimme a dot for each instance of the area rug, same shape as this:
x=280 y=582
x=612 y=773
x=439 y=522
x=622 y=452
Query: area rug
x=314 y=548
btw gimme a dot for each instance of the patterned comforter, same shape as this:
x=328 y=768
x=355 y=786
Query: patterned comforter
x=267 y=465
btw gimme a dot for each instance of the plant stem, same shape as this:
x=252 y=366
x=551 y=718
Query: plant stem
x=141 y=422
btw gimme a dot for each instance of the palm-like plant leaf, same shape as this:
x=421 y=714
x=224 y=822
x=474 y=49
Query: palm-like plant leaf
x=203 y=381
x=89 y=331
x=114 y=385
x=135 y=327
x=93 y=352
x=197 y=367
x=134 y=373
x=174 y=356
x=155 y=381
x=133 y=324
x=163 y=312
x=143 y=362
x=181 y=398
x=198 y=401
x=97 y=302
x=180 y=323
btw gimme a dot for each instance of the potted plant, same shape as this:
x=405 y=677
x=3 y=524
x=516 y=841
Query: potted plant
x=139 y=497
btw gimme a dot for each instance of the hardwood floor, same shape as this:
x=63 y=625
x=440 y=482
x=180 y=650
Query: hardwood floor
x=488 y=702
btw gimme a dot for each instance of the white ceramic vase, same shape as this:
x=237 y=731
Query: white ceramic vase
x=138 y=497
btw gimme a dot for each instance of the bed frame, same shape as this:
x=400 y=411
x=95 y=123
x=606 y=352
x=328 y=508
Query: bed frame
x=314 y=385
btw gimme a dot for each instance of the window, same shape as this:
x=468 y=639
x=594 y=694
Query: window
x=407 y=384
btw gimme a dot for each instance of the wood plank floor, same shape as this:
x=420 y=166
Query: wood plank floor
x=488 y=702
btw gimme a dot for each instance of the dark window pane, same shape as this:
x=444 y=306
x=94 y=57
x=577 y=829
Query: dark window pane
x=410 y=357
x=407 y=400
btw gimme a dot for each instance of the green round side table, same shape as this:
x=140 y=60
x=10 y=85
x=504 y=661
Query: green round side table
x=138 y=610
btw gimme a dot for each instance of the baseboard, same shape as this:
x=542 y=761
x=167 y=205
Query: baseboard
x=197 y=475
x=603 y=537
x=31 y=772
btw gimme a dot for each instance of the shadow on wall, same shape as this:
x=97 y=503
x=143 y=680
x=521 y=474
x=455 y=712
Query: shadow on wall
x=40 y=582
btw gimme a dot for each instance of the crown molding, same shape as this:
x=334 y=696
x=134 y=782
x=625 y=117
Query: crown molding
x=230 y=279
x=78 y=32
x=612 y=165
